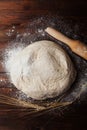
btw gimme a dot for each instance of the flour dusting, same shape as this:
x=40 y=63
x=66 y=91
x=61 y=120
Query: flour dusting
x=10 y=53
x=34 y=31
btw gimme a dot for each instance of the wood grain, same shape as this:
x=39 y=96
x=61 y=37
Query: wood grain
x=17 y=13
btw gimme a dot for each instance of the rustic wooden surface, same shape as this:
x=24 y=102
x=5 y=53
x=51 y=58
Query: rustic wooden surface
x=18 y=12
x=13 y=12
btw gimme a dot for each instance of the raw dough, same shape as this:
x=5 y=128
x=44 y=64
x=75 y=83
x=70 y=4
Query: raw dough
x=42 y=70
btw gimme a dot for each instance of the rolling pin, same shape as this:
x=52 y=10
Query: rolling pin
x=76 y=46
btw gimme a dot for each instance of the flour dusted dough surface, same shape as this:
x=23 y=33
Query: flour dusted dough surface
x=42 y=70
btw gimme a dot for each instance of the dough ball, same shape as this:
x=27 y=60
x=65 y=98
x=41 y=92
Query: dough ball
x=42 y=70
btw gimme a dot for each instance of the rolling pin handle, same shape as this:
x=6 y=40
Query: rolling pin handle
x=76 y=46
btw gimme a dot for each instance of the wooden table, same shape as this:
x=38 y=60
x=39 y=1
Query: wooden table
x=18 y=13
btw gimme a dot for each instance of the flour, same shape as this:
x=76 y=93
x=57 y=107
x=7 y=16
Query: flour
x=10 y=53
x=41 y=70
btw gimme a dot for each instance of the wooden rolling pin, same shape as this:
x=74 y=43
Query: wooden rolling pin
x=76 y=46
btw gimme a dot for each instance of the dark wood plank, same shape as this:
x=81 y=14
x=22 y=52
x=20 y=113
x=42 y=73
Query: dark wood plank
x=19 y=13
